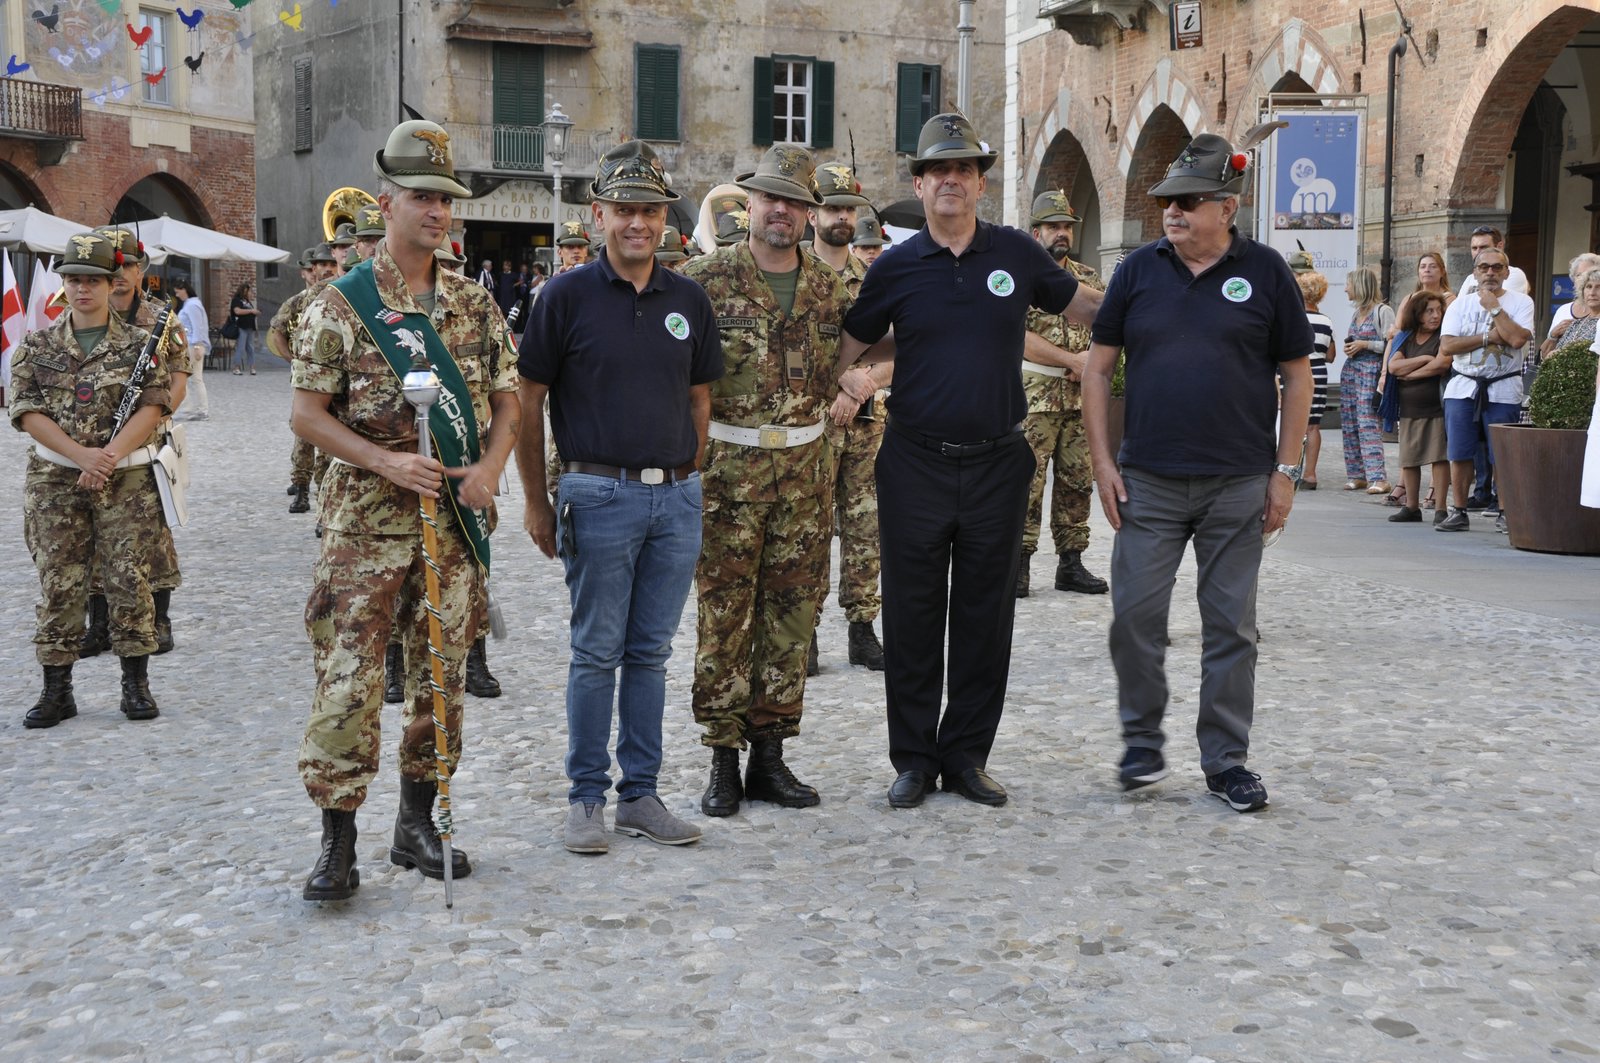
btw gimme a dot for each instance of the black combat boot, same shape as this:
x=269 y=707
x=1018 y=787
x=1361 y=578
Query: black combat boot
x=416 y=839
x=480 y=682
x=813 y=661
x=1072 y=576
x=163 y=601
x=302 y=499
x=768 y=778
x=292 y=489
x=725 y=791
x=864 y=646
x=394 y=674
x=97 y=635
x=56 y=703
x=335 y=877
x=137 y=701
x=1022 y=576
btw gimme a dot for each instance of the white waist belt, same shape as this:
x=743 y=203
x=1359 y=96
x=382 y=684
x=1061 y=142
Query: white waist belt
x=768 y=436
x=142 y=456
x=1044 y=370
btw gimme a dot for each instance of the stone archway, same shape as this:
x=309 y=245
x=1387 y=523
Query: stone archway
x=1297 y=60
x=1162 y=136
x=16 y=191
x=1166 y=88
x=1066 y=166
x=154 y=195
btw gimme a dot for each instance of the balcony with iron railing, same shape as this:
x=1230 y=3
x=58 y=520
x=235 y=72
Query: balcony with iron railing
x=38 y=110
x=518 y=150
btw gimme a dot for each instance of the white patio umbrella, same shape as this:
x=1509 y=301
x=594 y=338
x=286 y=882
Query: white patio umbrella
x=36 y=231
x=172 y=237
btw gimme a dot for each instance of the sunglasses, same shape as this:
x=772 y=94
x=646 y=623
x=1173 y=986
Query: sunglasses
x=1188 y=203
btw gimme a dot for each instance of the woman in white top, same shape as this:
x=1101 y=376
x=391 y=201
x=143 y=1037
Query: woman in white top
x=192 y=315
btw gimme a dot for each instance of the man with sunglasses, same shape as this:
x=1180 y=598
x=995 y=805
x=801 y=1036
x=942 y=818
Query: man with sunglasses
x=1485 y=333
x=1210 y=321
x=1483 y=238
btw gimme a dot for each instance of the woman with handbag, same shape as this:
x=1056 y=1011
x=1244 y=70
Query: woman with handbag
x=1363 y=348
x=242 y=314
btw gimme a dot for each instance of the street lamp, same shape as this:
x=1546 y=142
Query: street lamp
x=556 y=127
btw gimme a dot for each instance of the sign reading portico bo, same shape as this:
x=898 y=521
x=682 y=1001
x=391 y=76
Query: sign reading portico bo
x=523 y=202
x=1184 y=17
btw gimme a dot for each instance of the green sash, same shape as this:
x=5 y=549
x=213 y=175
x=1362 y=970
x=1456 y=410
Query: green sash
x=451 y=422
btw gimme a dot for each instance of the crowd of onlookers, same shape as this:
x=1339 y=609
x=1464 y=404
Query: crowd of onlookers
x=1436 y=370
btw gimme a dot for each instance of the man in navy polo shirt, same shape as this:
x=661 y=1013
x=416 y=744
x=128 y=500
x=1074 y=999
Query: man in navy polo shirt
x=626 y=352
x=954 y=468
x=1210 y=321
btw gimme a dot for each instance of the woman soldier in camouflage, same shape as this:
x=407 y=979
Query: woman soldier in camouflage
x=85 y=487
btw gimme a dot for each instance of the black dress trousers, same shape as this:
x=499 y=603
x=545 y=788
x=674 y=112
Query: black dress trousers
x=950 y=531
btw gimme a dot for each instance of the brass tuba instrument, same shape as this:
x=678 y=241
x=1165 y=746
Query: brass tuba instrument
x=341 y=207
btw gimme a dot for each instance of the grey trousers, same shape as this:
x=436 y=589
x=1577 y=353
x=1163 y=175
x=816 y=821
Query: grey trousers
x=1222 y=514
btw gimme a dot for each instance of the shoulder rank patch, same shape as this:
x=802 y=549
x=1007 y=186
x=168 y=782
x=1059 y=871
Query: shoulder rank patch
x=329 y=343
x=737 y=322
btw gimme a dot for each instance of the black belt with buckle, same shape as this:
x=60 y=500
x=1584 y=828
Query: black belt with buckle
x=648 y=476
x=969 y=449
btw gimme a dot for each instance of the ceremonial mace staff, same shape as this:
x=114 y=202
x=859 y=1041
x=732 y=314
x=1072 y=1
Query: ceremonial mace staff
x=421 y=389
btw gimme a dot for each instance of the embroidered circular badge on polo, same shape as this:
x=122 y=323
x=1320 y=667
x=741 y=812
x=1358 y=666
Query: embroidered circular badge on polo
x=678 y=325
x=84 y=392
x=1236 y=289
x=1001 y=284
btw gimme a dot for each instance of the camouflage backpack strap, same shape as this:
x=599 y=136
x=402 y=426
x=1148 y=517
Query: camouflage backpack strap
x=451 y=422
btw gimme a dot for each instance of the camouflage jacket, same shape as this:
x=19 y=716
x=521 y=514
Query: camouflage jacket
x=779 y=370
x=1058 y=394
x=334 y=355
x=287 y=319
x=50 y=375
x=855 y=271
x=145 y=310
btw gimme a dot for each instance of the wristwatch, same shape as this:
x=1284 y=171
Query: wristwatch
x=1495 y=311
x=1291 y=471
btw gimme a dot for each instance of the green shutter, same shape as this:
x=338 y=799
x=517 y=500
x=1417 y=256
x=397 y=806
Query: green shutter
x=761 y=110
x=518 y=106
x=822 y=105
x=908 y=107
x=656 y=93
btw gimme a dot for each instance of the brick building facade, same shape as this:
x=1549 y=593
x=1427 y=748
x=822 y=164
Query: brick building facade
x=1493 y=122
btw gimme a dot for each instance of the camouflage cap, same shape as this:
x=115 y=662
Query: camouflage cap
x=572 y=235
x=1052 y=206
x=343 y=236
x=950 y=136
x=672 y=247
x=1207 y=163
x=369 y=221
x=91 y=254
x=631 y=173
x=123 y=240
x=839 y=186
x=786 y=170
x=417 y=155
x=323 y=252
x=1302 y=262
x=869 y=233
x=734 y=227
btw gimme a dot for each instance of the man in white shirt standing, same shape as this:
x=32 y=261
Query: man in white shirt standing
x=1485 y=334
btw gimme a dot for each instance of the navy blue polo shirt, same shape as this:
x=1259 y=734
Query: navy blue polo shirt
x=959 y=325
x=1202 y=357
x=619 y=364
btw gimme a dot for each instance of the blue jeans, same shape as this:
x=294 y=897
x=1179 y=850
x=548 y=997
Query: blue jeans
x=1466 y=434
x=630 y=551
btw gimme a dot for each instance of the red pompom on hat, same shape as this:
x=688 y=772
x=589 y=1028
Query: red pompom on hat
x=116 y=256
x=1239 y=161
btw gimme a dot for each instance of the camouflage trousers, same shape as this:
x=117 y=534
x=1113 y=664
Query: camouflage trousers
x=358 y=582
x=306 y=463
x=64 y=525
x=762 y=575
x=162 y=565
x=1058 y=438
x=855 y=500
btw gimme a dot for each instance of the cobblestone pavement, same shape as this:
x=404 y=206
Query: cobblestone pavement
x=1423 y=886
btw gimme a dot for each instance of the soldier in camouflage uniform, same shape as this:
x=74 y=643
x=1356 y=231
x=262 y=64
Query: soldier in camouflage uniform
x=85 y=488
x=869 y=241
x=348 y=401
x=305 y=463
x=1053 y=364
x=368 y=230
x=763 y=568
x=572 y=245
x=129 y=302
x=853 y=447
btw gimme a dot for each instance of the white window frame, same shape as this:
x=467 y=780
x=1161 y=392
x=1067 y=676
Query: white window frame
x=785 y=93
x=153 y=56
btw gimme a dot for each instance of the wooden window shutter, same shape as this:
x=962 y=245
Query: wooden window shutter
x=761 y=91
x=821 y=105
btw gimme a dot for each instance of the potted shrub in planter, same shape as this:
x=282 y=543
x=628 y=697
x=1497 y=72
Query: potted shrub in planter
x=1539 y=467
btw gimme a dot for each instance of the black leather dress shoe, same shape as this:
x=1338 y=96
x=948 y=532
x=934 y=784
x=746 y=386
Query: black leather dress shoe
x=909 y=788
x=975 y=785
